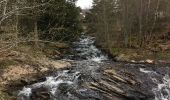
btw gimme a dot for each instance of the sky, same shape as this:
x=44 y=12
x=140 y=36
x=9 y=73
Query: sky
x=84 y=3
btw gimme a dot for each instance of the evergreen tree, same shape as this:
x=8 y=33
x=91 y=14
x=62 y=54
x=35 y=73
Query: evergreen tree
x=64 y=24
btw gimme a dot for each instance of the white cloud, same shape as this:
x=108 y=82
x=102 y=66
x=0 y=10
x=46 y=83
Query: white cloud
x=84 y=3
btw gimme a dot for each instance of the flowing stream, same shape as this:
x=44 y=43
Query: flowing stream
x=162 y=90
x=71 y=84
x=68 y=84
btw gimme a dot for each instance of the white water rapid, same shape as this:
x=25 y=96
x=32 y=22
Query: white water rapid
x=162 y=89
x=66 y=84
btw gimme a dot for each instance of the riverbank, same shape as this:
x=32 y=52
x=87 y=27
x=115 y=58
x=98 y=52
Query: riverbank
x=95 y=76
x=134 y=55
x=25 y=65
x=141 y=56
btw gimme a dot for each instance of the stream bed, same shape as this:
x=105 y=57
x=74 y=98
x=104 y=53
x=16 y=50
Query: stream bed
x=93 y=76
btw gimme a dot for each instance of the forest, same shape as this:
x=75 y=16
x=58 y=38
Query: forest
x=32 y=31
x=56 y=50
x=25 y=21
x=134 y=24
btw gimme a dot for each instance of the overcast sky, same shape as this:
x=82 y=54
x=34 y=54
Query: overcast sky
x=84 y=3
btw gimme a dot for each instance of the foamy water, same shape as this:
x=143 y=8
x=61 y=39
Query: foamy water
x=162 y=89
x=91 y=55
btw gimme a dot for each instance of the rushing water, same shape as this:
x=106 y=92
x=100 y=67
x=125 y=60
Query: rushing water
x=71 y=84
x=68 y=84
x=162 y=91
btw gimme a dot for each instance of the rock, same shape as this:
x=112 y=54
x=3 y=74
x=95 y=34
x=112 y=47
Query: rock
x=114 y=75
x=44 y=69
x=141 y=61
x=112 y=87
x=133 y=61
x=24 y=74
x=40 y=94
x=53 y=64
x=106 y=88
x=59 y=64
x=149 y=61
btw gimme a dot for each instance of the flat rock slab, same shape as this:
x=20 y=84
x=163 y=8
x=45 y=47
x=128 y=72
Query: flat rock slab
x=127 y=81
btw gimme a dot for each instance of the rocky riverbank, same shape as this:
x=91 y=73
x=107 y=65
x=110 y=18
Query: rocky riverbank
x=17 y=76
x=25 y=65
x=128 y=81
x=92 y=76
x=112 y=81
x=148 y=54
x=137 y=55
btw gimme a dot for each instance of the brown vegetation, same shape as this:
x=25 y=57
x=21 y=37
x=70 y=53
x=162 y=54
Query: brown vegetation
x=133 y=24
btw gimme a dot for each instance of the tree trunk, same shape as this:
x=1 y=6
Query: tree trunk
x=16 y=26
x=140 y=23
x=36 y=33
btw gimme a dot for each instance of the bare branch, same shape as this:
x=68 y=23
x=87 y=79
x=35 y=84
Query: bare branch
x=12 y=12
x=2 y=1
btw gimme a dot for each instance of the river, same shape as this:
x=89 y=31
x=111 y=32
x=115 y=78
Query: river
x=88 y=67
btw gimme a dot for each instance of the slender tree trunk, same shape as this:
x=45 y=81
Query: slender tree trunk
x=36 y=34
x=140 y=23
x=4 y=11
x=5 y=7
x=104 y=20
x=105 y=23
x=125 y=23
x=155 y=18
x=16 y=26
x=35 y=28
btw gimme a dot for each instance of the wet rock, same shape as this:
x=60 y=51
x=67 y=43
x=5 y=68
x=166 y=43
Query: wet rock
x=112 y=74
x=149 y=61
x=133 y=61
x=119 y=85
x=40 y=94
x=164 y=62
